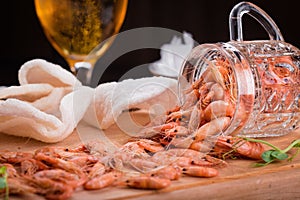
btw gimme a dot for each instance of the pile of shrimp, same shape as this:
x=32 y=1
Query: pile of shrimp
x=186 y=141
x=56 y=172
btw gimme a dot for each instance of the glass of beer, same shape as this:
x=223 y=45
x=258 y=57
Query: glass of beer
x=76 y=27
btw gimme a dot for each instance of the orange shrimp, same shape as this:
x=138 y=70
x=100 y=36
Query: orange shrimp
x=31 y=166
x=60 y=175
x=178 y=116
x=98 y=169
x=83 y=160
x=19 y=186
x=14 y=157
x=148 y=182
x=183 y=161
x=142 y=165
x=51 y=189
x=190 y=99
x=200 y=171
x=200 y=146
x=62 y=164
x=212 y=128
x=178 y=131
x=168 y=172
x=181 y=142
x=102 y=181
x=10 y=170
x=218 y=109
x=238 y=146
x=169 y=126
x=150 y=145
x=216 y=162
x=218 y=91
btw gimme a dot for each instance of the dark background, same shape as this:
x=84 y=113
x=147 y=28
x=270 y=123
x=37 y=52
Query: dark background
x=22 y=38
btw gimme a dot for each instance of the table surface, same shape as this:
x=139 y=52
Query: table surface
x=240 y=180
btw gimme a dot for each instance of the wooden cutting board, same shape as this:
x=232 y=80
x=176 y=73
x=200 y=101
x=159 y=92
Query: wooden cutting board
x=240 y=180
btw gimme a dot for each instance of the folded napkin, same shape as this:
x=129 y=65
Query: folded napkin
x=42 y=107
x=50 y=102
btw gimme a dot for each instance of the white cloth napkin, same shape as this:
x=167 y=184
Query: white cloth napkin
x=50 y=102
x=42 y=106
x=172 y=56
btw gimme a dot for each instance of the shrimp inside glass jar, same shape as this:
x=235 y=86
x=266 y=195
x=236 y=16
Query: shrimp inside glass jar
x=209 y=92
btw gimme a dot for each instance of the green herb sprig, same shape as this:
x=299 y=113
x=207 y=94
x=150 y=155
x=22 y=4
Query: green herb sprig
x=3 y=181
x=275 y=153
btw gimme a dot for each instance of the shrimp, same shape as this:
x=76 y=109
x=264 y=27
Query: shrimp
x=97 y=170
x=181 y=142
x=31 y=166
x=200 y=146
x=142 y=165
x=168 y=172
x=84 y=160
x=180 y=157
x=228 y=145
x=10 y=170
x=218 y=91
x=218 y=109
x=14 y=157
x=212 y=128
x=62 y=164
x=102 y=181
x=178 y=131
x=60 y=175
x=200 y=171
x=150 y=145
x=183 y=161
x=19 y=186
x=51 y=189
x=207 y=99
x=148 y=182
x=190 y=100
x=16 y=183
x=178 y=116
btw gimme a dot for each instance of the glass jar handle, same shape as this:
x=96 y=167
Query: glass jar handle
x=235 y=21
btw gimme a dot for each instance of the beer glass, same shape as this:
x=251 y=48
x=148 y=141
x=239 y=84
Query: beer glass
x=76 y=27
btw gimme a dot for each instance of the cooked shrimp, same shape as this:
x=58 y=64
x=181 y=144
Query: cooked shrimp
x=168 y=172
x=142 y=165
x=218 y=109
x=229 y=145
x=150 y=145
x=98 y=169
x=31 y=166
x=51 y=189
x=62 y=164
x=218 y=91
x=148 y=182
x=200 y=171
x=14 y=157
x=19 y=186
x=102 y=181
x=60 y=175
x=212 y=128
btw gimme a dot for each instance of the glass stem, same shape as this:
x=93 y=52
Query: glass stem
x=83 y=71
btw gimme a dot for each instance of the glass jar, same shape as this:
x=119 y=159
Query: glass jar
x=254 y=84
